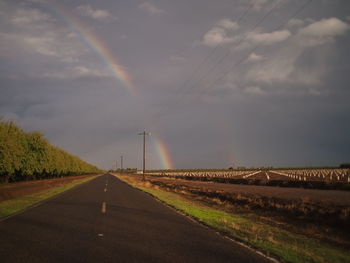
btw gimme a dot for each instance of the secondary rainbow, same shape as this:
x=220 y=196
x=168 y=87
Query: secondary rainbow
x=94 y=43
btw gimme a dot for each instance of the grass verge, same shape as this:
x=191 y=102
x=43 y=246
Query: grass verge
x=284 y=244
x=12 y=206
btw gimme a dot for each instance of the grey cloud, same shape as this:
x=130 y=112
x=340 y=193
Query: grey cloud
x=98 y=14
x=216 y=36
x=295 y=22
x=286 y=65
x=151 y=8
x=29 y=17
x=323 y=31
x=269 y=38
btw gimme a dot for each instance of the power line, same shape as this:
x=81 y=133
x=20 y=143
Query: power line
x=240 y=61
x=229 y=50
x=257 y=46
x=216 y=47
x=180 y=98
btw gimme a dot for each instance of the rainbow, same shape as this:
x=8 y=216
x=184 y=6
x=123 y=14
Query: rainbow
x=163 y=154
x=95 y=44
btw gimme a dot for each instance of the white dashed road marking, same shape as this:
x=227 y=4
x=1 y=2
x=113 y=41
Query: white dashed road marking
x=104 y=207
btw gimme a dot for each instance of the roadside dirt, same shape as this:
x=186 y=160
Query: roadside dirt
x=15 y=190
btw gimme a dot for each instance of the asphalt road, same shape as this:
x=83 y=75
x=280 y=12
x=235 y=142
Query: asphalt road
x=106 y=220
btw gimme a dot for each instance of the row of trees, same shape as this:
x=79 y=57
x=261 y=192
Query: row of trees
x=28 y=156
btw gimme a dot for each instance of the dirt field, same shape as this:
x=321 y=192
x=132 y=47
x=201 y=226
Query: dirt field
x=327 y=197
x=15 y=190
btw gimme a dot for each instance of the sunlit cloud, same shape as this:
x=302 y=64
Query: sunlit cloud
x=98 y=14
x=151 y=9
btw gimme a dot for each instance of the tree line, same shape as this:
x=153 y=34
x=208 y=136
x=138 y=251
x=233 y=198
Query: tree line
x=29 y=156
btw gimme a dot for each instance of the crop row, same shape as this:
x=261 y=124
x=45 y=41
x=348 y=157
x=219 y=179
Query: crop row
x=329 y=175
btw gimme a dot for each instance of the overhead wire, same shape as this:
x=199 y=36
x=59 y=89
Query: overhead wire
x=210 y=54
x=229 y=49
x=157 y=116
x=206 y=58
x=299 y=10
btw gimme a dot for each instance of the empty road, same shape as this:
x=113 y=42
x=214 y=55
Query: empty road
x=105 y=220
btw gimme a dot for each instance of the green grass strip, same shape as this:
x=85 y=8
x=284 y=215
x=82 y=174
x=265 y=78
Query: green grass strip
x=287 y=245
x=12 y=206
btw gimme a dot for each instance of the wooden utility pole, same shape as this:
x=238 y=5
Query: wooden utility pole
x=144 y=133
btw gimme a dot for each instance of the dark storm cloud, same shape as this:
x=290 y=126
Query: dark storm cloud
x=284 y=104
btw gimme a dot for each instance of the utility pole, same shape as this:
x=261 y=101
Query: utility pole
x=121 y=163
x=144 y=133
x=116 y=166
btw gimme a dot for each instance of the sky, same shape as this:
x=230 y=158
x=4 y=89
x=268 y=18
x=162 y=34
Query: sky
x=217 y=83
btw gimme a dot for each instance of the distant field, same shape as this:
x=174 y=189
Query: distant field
x=306 y=178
